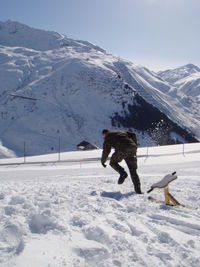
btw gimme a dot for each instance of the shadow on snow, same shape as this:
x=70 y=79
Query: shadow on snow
x=116 y=195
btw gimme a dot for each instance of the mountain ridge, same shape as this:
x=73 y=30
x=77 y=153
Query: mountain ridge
x=173 y=75
x=79 y=89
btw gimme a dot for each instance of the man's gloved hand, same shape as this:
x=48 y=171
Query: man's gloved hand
x=104 y=165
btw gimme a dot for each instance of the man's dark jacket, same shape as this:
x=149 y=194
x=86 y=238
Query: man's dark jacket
x=120 y=141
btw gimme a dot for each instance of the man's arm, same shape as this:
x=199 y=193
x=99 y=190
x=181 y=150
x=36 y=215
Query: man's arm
x=106 y=151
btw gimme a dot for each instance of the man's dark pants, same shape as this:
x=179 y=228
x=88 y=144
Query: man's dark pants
x=131 y=160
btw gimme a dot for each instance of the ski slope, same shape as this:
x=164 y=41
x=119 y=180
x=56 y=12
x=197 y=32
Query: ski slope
x=73 y=212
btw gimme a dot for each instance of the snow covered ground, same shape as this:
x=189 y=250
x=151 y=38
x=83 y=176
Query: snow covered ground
x=75 y=213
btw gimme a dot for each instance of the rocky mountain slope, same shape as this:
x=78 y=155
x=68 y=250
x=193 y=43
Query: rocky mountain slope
x=54 y=87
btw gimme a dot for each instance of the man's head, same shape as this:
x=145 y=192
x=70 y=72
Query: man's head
x=104 y=133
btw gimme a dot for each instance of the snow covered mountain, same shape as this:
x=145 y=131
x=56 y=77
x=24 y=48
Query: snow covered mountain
x=185 y=79
x=52 y=86
x=185 y=82
x=173 y=75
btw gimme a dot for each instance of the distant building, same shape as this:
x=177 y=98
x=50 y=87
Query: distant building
x=84 y=145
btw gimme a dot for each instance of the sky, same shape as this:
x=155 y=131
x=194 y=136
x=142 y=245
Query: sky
x=158 y=34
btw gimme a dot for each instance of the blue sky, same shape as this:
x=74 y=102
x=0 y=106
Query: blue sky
x=159 y=34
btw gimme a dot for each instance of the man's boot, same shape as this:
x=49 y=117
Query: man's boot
x=123 y=176
x=138 y=190
x=136 y=182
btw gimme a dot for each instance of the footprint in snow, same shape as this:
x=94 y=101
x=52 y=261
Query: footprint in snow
x=11 y=236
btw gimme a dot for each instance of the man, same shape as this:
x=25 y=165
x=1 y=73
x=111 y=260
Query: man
x=125 y=145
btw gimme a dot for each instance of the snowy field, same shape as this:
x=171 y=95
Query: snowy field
x=74 y=213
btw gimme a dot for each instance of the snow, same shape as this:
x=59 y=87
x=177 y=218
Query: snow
x=73 y=212
x=179 y=73
x=16 y=34
x=5 y=152
x=77 y=86
x=185 y=87
x=190 y=85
